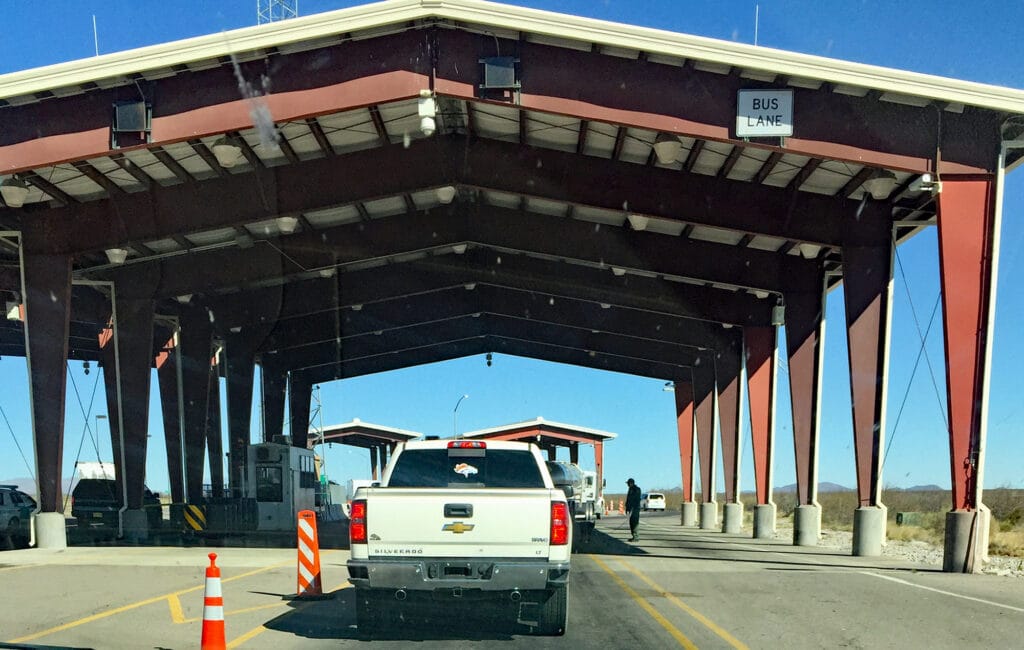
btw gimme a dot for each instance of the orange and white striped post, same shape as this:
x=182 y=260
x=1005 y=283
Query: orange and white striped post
x=309 y=582
x=213 y=609
x=622 y=507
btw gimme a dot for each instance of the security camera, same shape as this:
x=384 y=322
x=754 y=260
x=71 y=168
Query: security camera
x=489 y=360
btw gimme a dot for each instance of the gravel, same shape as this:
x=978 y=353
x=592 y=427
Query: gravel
x=913 y=552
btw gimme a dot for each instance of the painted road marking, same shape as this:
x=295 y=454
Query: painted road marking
x=261 y=628
x=672 y=598
x=671 y=629
x=178 y=615
x=947 y=593
x=136 y=605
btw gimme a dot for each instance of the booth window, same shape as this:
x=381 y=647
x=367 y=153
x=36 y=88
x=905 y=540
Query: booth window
x=268 y=483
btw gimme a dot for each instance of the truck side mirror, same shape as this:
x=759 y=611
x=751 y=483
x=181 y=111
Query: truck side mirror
x=604 y=482
x=568 y=491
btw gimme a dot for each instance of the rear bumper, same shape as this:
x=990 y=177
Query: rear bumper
x=433 y=574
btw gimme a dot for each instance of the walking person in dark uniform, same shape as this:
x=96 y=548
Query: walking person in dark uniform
x=633 y=508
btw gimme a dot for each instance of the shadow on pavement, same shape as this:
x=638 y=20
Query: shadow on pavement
x=335 y=619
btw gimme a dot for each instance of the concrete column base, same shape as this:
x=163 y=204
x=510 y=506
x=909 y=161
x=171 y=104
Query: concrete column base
x=51 y=530
x=764 y=521
x=709 y=516
x=868 y=531
x=689 y=514
x=806 y=525
x=136 y=526
x=962 y=553
x=732 y=518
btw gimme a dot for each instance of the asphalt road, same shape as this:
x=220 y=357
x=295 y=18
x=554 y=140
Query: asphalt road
x=675 y=588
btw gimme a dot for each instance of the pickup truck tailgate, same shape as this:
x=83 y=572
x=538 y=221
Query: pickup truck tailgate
x=431 y=522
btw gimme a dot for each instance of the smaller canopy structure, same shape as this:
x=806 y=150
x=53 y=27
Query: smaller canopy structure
x=380 y=440
x=552 y=435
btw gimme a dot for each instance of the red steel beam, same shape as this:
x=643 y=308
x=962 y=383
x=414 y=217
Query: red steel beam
x=867 y=277
x=684 y=432
x=805 y=321
x=761 y=353
x=728 y=368
x=966 y=217
x=704 y=396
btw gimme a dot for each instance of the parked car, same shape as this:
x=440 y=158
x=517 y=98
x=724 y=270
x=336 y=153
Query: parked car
x=95 y=503
x=15 y=512
x=652 y=501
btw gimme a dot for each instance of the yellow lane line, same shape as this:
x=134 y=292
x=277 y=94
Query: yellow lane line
x=136 y=605
x=671 y=629
x=19 y=566
x=261 y=628
x=672 y=598
x=233 y=612
x=177 y=615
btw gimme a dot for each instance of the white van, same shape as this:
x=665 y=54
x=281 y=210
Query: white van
x=652 y=501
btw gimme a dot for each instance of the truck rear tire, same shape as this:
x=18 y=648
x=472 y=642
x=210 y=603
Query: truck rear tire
x=554 y=613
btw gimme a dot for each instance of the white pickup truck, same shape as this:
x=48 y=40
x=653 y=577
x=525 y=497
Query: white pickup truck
x=461 y=520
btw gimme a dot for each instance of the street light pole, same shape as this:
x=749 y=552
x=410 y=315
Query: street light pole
x=455 y=417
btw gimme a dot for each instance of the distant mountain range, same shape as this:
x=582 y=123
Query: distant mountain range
x=824 y=486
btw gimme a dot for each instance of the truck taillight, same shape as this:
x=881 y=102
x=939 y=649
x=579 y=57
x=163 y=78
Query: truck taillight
x=559 y=523
x=467 y=444
x=357 y=522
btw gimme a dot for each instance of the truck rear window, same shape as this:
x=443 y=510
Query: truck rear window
x=440 y=468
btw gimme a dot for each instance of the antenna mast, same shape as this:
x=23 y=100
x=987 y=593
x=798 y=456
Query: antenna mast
x=268 y=11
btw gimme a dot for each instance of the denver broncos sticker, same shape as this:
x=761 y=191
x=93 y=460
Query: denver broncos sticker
x=466 y=469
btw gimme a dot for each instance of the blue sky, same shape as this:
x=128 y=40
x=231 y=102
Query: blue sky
x=980 y=44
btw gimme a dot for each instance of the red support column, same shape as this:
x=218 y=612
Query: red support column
x=687 y=458
x=967 y=257
x=167 y=377
x=300 y=392
x=241 y=368
x=728 y=368
x=805 y=332
x=574 y=452
x=275 y=385
x=195 y=339
x=704 y=397
x=761 y=353
x=684 y=430
x=47 y=281
x=760 y=345
x=109 y=361
x=215 y=434
x=134 y=332
x=374 y=463
x=599 y=465
x=867 y=290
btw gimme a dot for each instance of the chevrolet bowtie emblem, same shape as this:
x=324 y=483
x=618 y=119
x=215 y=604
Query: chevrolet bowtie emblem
x=458 y=527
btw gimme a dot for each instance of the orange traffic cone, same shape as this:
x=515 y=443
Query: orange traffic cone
x=622 y=507
x=213 y=609
x=310 y=585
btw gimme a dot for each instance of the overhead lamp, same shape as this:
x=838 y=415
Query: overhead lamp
x=779 y=314
x=727 y=326
x=13 y=310
x=618 y=272
x=459 y=249
x=809 y=251
x=925 y=183
x=287 y=225
x=638 y=221
x=327 y=273
x=469 y=286
x=666 y=148
x=227 y=152
x=881 y=184
x=184 y=298
x=605 y=305
x=445 y=194
x=357 y=307
x=760 y=294
x=236 y=329
x=117 y=255
x=427 y=110
x=14 y=192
